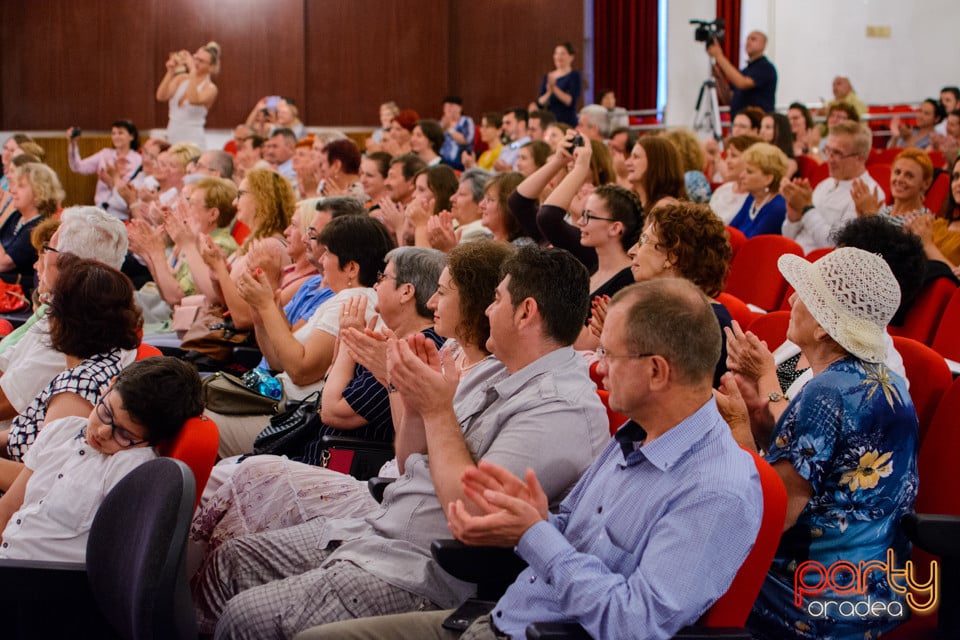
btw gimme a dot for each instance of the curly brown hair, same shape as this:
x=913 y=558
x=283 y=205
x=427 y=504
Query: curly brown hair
x=276 y=203
x=92 y=309
x=696 y=239
x=475 y=270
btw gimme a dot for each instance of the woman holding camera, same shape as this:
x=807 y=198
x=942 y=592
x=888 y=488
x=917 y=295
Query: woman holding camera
x=190 y=92
x=113 y=166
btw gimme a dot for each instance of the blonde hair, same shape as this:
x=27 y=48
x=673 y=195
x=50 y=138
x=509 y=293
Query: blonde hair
x=275 y=203
x=47 y=193
x=219 y=193
x=213 y=48
x=184 y=153
x=688 y=146
x=769 y=159
x=308 y=211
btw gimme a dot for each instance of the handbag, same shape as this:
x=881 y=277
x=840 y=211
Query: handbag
x=227 y=394
x=290 y=430
x=213 y=334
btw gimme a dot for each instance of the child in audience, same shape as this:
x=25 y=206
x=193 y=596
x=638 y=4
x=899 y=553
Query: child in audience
x=76 y=461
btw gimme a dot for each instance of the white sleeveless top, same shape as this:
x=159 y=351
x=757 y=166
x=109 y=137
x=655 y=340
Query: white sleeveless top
x=187 y=120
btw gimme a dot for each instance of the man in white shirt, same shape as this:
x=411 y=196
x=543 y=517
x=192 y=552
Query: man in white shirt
x=814 y=214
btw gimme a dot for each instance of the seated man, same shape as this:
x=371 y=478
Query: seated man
x=51 y=505
x=534 y=407
x=655 y=530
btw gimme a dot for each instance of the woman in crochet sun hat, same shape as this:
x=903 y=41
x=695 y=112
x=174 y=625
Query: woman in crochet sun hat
x=845 y=447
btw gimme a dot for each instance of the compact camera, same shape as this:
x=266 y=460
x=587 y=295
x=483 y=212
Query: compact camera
x=575 y=141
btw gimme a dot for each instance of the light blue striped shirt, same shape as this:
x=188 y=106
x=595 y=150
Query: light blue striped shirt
x=647 y=540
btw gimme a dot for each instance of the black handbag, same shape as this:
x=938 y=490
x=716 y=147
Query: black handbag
x=290 y=430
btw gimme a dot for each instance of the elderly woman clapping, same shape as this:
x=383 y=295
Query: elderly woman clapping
x=845 y=446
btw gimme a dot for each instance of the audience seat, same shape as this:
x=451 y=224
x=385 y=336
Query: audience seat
x=929 y=378
x=239 y=231
x=771 y=328
x=196 y=446
x=738 y=309
x=754 y=277
x=881 y=173
x=147 y=351
x=820 y=173
x=806 y=166
x=6 y=327
x=816 y=254
x=133 y=583
x=937 y=192
x=883 y=156
x=614 y=420
x=736 y=240
x=946 y=339
x=925 y=313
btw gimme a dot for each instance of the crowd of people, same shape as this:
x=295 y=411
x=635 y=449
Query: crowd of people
x=446 y=287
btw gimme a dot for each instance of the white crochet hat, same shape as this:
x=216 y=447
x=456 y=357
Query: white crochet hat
x=851 y=293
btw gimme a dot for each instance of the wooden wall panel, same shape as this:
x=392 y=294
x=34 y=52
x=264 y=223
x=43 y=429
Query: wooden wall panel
x=88 y=63
x=364 y=52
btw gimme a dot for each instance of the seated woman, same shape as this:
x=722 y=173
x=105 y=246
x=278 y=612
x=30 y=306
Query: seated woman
x=775 y=129
x=728 y=198
x=122 y=160
x=655 y=170
x=682 y=240
x=941 y=236
x=532 y=156
x=306 y=166
x=495 y=211
x=288 y=117
x=608 y=223
x=36 y=194
x=928 y=117
x=373 y=175
x=266 y=492
x=692 y=161
x=462 y=222
x=265 y=204
x=95 y=323
x=432 y=189
x=76 y=461
x=206 y=208
x=806 y=136
x=490 y=124
x=339 y=170
x=764 y=210
x=910 y=176
x=845 y=447
x=171 y=169
x=353 y=253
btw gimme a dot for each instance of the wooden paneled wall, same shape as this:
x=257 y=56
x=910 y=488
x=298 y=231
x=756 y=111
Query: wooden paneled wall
x=88 y=63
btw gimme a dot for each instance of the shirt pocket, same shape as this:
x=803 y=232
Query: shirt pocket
x=72 y=504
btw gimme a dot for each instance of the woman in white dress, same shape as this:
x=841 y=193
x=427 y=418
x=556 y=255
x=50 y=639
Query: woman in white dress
x=190 y=92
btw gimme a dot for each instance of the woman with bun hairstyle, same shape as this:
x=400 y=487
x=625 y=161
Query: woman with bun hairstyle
x=190 y=92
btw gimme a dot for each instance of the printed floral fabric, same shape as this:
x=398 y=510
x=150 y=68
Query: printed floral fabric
x=852 y=434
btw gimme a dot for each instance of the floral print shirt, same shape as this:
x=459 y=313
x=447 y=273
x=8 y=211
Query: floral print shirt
x=852 y=434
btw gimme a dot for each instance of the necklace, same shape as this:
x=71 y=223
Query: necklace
x=757 y=205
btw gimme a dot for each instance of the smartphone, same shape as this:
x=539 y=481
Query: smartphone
x=466 y=613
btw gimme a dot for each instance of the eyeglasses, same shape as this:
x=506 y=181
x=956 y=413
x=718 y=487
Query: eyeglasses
x=603 y=355
x=46 y=248
x=120 y=435
x=830 y=152
x=241 y=193
x=586 y=216
x=381 y=276
x=313 y=234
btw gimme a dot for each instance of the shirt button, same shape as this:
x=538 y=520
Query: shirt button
x=81 y=452
x=18 y=520
x=533 y=579
x=59 y=475
x=600 y=509
x=5 y=545
x=499 y=613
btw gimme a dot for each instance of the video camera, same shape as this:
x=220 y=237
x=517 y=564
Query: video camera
x=707 y=32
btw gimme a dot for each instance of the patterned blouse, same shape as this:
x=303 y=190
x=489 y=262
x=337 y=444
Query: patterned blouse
x=852 y=434
x=87 y=379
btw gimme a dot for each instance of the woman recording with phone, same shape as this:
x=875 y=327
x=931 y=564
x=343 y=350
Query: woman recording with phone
x=190 y=92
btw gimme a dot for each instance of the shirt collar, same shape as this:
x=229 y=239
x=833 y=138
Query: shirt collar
x=561 y=359
x=670 y=448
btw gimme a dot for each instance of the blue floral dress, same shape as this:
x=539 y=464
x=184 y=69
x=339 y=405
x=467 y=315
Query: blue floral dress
x=852 y=434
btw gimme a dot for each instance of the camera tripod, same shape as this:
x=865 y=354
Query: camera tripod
x=706 y=115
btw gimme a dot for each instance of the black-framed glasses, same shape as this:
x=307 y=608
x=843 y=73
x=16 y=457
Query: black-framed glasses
x=120 y=435
x=46 y=248
x=603 y=354
x=586 y=216
x=313 y=234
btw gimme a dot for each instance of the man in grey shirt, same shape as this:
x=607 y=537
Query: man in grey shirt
x=534 y=407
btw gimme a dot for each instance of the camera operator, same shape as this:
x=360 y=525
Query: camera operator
x=756 y=84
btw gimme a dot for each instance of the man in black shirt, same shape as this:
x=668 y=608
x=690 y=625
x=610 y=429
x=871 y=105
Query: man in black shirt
x=756 y=84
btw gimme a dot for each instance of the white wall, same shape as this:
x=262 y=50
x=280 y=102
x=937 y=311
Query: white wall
x=811 y=41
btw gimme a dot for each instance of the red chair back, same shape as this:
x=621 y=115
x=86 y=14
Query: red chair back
x=595 y=375
x=6 y=327
x=946 y=339
x=733 y=607
x=147 y=351
x=196 y=445
x=929 y=378
x=820 y=173
x=239 y=231
x=771 y=328
x=937 y=192
x=754 y=277
x=881 y=173
x=614 y=420
x=924 y=315
x=883 y=156
x=816 y=254
x=806 y=166
x=736 y=239
x=738 y=309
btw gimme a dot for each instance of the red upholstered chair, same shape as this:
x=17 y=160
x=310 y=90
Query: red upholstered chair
x=883 y=156
x=806 y=166
x=736 y=239
x=754 y=277
x=147 y=351
x=6 y=327
x=937 y=192
x=239 y=231
x=946 y=340
x=771 y=328
x=820 y=173
x=816 y=254
x=929 y=378
x=196 y=445
x=738 y=309
x=615 y=420
x=925 y=313
x=595 y=375
x=881 y=173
